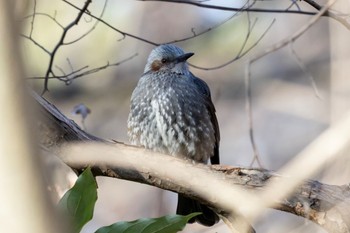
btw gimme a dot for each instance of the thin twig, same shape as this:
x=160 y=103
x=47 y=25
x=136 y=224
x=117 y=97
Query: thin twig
x=248 y=96
x=53 y=18
x=274 y=48
x=33 y=19
x=60 y=43
x=210 y=28
x=305 y=70
x=110 y=26
x=68 y=78
x=250 y=29
x=64 y=77
x=70 y=64
x=224 y=8
x=91 y=29
x=248 y=106
x=259 y=39
x=240 y=54
x=36 y=43
x=60 y=69
x=94 y=70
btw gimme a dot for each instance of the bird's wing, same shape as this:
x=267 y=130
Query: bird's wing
x=204 y=89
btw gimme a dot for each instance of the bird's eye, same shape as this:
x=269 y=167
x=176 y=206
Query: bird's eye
x=164 y=60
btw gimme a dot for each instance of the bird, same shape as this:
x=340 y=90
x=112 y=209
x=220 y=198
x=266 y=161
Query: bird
x=171 y=112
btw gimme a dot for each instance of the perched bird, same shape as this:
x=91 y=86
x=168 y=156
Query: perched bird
x=172 y=112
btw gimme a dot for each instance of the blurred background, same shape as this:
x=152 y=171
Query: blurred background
x=288 y=112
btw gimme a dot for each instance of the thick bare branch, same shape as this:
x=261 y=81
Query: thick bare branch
x=323 y=204
x=312 y=200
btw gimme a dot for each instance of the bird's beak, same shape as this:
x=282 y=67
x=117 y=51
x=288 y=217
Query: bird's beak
x=183 y=57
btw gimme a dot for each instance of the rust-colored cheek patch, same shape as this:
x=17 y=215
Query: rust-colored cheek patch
x=156 y=65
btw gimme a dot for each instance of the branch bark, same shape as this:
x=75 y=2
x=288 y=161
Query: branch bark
x=325 y=205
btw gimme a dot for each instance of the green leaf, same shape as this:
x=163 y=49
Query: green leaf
x=166 y=224
x=78 y=203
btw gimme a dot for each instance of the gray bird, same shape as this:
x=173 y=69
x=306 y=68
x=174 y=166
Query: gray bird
x=171 y=112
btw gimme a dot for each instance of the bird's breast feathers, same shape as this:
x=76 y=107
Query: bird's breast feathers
x=171 y=118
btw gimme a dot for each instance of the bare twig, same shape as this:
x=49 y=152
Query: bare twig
x=248 y=106
x=195 y=35
x=69 y=77
x=305 y=70
x=91 y=29
x=53 y=18
x=250 y=29
x=274 y=48
x=36 y=43
x=110 y=26
x=242 y=52
x=30 y=36
x=248 y=96
x=224 y=8
x=210 y=28
x=66 y=77
x=33 y=19
x=60 y=43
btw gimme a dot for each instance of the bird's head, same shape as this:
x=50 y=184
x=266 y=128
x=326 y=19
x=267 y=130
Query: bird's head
x=168 y=57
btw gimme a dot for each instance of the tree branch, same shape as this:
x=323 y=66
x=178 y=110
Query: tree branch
x=325 y=205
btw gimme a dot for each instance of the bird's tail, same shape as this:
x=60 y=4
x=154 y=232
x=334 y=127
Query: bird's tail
x=187 y=206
